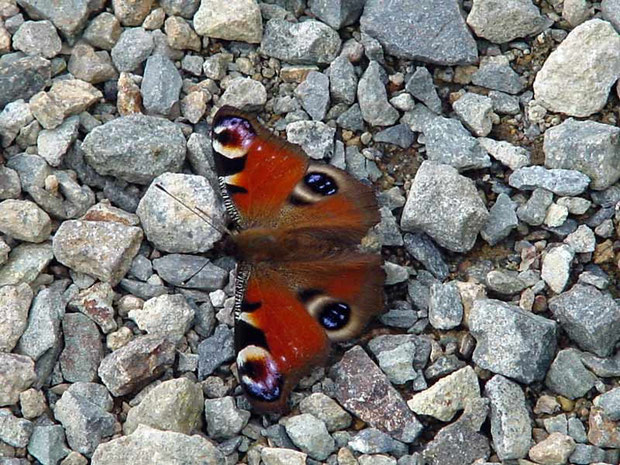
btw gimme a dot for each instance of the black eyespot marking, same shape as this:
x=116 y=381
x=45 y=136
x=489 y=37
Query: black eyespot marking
x=261 y=380
x=226 y=166
x=249 y=306
x=335 y=315
x=248 y=335
x=297 y=201
x=307 y=294
x=232 y=189
x=321 y=183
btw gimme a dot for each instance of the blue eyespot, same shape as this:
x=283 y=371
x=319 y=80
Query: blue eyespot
x=321 y=183
x=335 y=315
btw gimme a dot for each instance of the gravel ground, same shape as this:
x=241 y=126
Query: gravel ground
x=490 y=131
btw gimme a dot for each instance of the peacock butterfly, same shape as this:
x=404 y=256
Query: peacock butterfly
x=301 y=282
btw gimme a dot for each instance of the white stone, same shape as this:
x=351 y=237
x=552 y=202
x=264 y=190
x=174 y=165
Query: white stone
x=556 y=267
x=230 y=20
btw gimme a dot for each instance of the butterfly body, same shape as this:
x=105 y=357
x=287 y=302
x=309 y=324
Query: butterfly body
x=301 y=281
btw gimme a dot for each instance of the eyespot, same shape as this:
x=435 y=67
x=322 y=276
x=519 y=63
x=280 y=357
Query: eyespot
x=259 y=374
x=334 y=316
x=321 y=183
x=232 y=136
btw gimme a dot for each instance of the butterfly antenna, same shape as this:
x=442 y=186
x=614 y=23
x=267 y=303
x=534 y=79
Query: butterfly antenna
x=204 y=216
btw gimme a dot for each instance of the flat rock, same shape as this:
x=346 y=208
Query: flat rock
x=431 y=31
x=315 y=138
x=133 y=365
x=215 y=350
x=511 y=341
x=558 y=181
x=98 y=248
x=445 y=310
x=26 y=262
x=512 y=156
x=15 y=303
x=363 y=389
x=132 y=48
x=239 y=20
x=314 y=95
x=446 y=206
x=590 y=317
x=577 y=77
x=501 y=21
x=166 y=315
x=47 y=444
x=135 y=148
x=586 y=146
x=555 y=449
x=37 y=38
x=496 y=73
x=53 y=144
x=83 y=349
x=161 y=85
x=244 y=93
x=307 y=42
x=190 y=271
x=568 y=376
x=22 y=78
x=424 y=250
x=147 y=445
x=172 y=227
x=310 y=435
x=502 y=220
x=476 y=112
x=327 y=410
x=372 y=97
x=400 y=356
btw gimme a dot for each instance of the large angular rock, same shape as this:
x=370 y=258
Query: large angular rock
x=363 y=389
x=587 y=146
x=135 y=148
x=24 y=220
x=83 y=350
x=69 y=16
x=567 y=375
x=16 y=375
x=26 y=262
x=501 y=21
x=433 y=31
x=307 y=42
x=37 y=38
x=446 y=206
x=577 y=77
x=231 y=20
x=98 y=248
x=590 y=317
x=512 y=341
x=372 y=97
x=161 y=85
x=337 y=13
x=147 y=445
x=15 y=304
x=310 y=435
x=22 y=78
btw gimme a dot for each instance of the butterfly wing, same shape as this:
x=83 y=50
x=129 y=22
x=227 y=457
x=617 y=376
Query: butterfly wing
x=268 y=182
x=289 y=313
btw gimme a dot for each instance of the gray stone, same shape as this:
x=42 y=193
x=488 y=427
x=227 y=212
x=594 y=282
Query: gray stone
x=90 y=65
x=576 y=430
x=69 y=16
x=26 y=262
x=52 y=144
x=306 y=42
x=396 y=355
x=83 y=350
x=558 y=181
x=446 y=206
x=584 y=87
x=16 y=376
x=327 y=410
x=511 y=341
x=24 y=220
x=13 y=430
x=502 y=220
x=510 y=421
x=43 y=330
x=447 y=396
x=32 y=403
x=364 y=390
x=338 y=13
x=428 y=31
x=400 y=316
x=174 y=405
x=505 y=282
x=504 y=104
x=534 y=211
x=190 y=271
x=184 y=8
x=556 y=424
x=587 y=146
x=98 y=248
x=22 y=78
x=135 y=148
x=10 y=185
x=495 y=73
x=503 y=21
x=215 y=350
x=421 y=86
x=424 y=250
x=447 y=141
x=147 y=444
x=133 y=365
x=476 y=112
x=313 y=94
x=590 y=317
x=96 y=303
x=351 y=119
x=13 y=118
x=47 y=444
x=224 y=419
x=342 y=80
x=15 y=303
x=582 y=240
x=609 y=402
x=512 y=156
x=611 y=12
x=244 y=93
x=310 y=435
x=586 y=454
x=85 y=419
x=443 y=366
x=399 y=135
x=166 y=315
x=169 y=225
x=132 y=48
x=372 y=97
x=103 y=31
x=234 y=20
x=568 y=377
x=315 y=138
x=161 y=86
x=445 y=310
x=388 y=229
x=556 y=267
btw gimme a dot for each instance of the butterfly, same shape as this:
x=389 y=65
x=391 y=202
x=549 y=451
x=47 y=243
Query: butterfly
x=301 y=282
